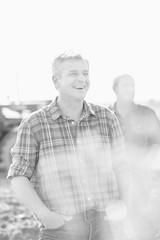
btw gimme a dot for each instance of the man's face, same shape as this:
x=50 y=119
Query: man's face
x=74 y=79
x=126 y=89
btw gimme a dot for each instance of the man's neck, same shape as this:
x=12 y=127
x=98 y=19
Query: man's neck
x=123 y=107
x=71 y=109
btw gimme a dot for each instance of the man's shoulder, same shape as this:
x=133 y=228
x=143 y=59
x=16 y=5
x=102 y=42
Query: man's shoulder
x=102 y=110
x=147 y=113
x=143 y=109
x=37 y=115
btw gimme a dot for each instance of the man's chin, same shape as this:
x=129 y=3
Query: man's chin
x=80 y=96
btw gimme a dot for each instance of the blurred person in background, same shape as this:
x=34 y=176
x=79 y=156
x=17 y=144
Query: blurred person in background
x=141 y=130
x=69 y=160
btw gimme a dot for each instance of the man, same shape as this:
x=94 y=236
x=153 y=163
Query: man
x=141 y=130
x=73 y=153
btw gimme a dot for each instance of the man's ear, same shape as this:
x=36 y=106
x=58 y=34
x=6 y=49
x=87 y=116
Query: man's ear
x=55 y=81
x=115 y=89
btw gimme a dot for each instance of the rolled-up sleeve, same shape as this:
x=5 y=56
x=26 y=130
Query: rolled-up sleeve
x=24 y=153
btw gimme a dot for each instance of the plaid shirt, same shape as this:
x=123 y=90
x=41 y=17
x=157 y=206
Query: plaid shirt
x=70 y=164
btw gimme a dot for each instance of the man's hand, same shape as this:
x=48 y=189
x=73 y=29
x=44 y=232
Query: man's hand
x=53 y=220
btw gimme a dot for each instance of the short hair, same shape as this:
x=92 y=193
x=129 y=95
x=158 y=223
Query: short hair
x=117 y=80
x=70 y=55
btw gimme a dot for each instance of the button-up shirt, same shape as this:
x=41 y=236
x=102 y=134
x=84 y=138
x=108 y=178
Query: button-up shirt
x=72 y=165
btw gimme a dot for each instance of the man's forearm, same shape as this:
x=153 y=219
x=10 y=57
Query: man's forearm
x=27 y=195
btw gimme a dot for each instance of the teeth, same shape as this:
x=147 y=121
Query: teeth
x=79 y=87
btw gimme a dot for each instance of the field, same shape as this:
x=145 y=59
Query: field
x=16 y=222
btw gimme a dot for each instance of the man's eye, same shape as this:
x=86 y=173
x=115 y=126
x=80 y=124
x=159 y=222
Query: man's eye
x=73 y=74
x=86 y=74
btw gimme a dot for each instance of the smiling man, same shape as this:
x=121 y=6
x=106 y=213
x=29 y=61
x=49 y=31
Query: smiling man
x=69 y=160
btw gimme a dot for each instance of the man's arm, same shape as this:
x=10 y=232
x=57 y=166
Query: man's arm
x=24 y=153
x=25 y=156
x=28 y=196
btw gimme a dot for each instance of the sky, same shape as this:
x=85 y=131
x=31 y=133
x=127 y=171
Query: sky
x=116 y=36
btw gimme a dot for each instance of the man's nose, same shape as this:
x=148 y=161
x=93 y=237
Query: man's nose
x=81 y=78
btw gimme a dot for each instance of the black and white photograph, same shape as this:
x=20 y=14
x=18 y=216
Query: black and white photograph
x=79 y=120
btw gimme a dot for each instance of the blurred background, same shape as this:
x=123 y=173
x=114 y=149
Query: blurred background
x=116 y=36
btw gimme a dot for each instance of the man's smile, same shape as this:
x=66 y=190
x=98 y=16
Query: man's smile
x=79 y=86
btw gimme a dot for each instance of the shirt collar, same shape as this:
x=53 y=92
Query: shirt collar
x=56 y=113
x=88 y=109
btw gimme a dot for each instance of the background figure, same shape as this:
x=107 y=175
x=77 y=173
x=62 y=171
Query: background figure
x=69 y=160
x=141 y=130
